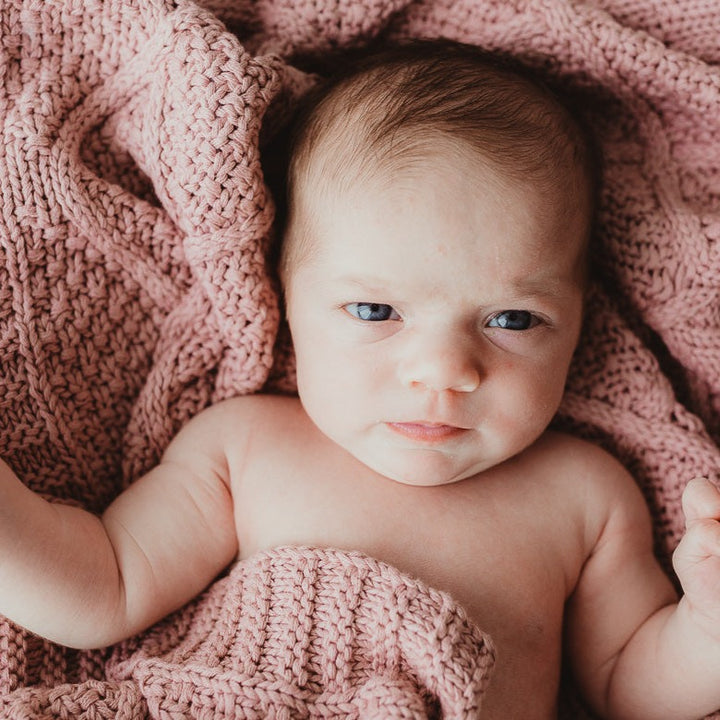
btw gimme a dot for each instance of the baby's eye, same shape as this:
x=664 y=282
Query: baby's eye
x=513 y=320
x=372 y=312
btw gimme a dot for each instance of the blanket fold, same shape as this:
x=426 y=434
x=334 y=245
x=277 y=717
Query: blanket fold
x=300 y=632
x=135 y=226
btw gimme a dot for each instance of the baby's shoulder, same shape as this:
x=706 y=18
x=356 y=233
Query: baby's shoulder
x=582 y=471
x=249 y=425
x=237 y=423
x=582 y=460
x=246 y=412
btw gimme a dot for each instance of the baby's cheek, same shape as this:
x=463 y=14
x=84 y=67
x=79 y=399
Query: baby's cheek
x=526 y=405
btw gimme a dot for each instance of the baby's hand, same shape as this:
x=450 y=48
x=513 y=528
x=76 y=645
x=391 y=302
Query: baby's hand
x=697 y=558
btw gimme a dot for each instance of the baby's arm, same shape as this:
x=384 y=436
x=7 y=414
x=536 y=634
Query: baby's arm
x=86 y=581
x=637 y=652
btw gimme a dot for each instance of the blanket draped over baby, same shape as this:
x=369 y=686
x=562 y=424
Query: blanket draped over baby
x=134 y=290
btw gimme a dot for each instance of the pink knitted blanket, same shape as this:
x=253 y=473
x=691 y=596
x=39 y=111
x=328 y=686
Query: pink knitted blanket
x=300 y=632
x=134 y=289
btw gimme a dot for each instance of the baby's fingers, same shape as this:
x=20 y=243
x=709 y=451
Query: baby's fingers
x=697 y=563
x=700 y=500
x=697 y=558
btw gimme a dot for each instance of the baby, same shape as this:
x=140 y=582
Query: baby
x=434 y=268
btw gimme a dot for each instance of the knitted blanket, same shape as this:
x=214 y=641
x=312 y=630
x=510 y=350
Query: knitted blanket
x=301 y=632
x=135 y=287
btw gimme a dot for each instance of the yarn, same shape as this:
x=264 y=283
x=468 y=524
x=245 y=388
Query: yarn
x=135 y=225
x=301 y=632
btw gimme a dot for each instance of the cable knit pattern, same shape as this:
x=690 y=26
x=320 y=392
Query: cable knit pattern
x=134 y=291
x=299 y=632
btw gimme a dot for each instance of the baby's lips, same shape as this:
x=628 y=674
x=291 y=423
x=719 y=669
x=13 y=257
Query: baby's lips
x=425 y=431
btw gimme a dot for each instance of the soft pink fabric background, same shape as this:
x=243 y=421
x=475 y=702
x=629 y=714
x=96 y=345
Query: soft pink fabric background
x=134 y=224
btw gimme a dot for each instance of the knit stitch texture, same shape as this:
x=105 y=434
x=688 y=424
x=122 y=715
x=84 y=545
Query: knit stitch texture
x=300 y=632
x=134 y=287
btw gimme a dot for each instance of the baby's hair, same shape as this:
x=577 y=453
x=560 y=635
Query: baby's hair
x=390 y=108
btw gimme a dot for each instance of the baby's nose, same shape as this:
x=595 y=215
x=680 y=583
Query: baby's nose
x=441 y=363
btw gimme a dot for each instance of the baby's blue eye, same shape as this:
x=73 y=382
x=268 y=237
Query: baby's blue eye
x=372 y=312
x=513 y=320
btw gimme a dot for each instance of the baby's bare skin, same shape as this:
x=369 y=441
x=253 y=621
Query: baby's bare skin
x=548 y=551
x=434 y=307
x=508 y=544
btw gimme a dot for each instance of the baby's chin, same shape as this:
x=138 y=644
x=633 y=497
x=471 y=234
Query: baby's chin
x=426 y=468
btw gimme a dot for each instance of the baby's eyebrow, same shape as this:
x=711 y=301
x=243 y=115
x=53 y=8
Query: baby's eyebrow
x=365 y=282
x=542 y=286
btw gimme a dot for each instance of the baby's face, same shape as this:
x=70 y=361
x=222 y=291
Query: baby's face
x=434 y=318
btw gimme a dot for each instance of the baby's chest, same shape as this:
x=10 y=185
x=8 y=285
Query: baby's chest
x=507 y=547
x=500 y=566
x=496 y=555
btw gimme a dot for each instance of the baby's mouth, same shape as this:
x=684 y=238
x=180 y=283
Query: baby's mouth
x=426 y=432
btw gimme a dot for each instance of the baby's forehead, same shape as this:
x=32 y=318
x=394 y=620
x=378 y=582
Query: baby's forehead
x=362 y=134
x=343 y=153
x=344 y=166
x=381 y=185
